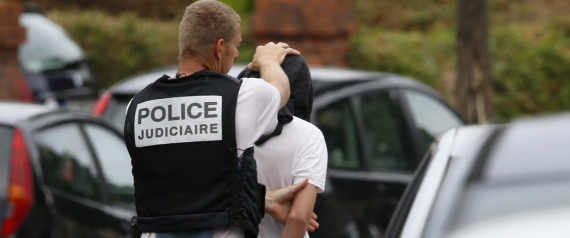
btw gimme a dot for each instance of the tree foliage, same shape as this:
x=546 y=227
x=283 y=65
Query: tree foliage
x=529 y=46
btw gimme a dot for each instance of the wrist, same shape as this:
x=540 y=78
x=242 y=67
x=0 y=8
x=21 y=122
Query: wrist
x=268 y=203
x=267 y=62
x=269 y=209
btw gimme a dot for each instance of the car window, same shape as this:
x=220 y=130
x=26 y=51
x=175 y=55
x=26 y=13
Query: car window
x=431 y=116
x=115 y=163
x=386 y=132
x=116 y=110
x=336 y=121
x=66 y=161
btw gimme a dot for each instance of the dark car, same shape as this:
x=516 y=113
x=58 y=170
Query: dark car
x=377 y=128
x=509 y=180
x=54 y=66
x=62 y=174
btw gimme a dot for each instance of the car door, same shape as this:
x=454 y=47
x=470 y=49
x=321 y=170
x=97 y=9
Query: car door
x=73 y=179
x=343 y=200
x=390 y=152
x=115 y=163
x=372 y=155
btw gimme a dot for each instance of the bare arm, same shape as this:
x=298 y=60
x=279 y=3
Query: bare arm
x=274 y=75
x=267 y=60
x=300 y=215
x=278 y=203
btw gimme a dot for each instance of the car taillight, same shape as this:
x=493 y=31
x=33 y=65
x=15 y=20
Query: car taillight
x=20 y=193
x=101 y=104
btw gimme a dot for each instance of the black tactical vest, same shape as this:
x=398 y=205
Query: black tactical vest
x=180 y=134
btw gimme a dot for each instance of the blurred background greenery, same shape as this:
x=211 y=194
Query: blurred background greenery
x=529 y=42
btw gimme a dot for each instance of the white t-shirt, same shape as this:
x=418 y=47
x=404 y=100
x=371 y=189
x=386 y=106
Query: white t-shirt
x=256 y=115
x=299 y=152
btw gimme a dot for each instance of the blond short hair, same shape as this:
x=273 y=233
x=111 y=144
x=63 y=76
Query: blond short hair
x=203 y=24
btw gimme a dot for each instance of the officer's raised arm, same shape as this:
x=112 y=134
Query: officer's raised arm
x=267 y=60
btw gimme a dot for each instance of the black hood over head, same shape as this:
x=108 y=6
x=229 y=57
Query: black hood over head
x=300 y=102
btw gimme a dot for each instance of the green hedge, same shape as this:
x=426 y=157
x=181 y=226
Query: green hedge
x=531 y=70
x=421 y=55
x=155 y=9
x=529 y=45
x=120 y=46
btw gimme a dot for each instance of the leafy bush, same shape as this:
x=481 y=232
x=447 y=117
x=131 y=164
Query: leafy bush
x=530 y=76
x=416 y=54
x=162 y=9
x=529 y=45
x=120 y=46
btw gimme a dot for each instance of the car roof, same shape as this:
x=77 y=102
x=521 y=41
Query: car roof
x=531 y=147
x=323 y=77
x=537 y=146
x=32 y=116
x=15 y=112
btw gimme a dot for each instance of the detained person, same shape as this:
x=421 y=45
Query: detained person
x=295 y=150
x=191 y=137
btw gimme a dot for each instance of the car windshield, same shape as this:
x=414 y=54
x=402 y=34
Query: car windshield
x=47 y=46
x=484 y=201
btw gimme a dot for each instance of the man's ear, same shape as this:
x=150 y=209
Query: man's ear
x=219 y=48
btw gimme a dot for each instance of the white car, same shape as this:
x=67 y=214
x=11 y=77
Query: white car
x=509 y=180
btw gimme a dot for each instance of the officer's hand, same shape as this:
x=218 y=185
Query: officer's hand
x=278 y=203
x=270 y=53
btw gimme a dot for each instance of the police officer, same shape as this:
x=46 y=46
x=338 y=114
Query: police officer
x=191 y=137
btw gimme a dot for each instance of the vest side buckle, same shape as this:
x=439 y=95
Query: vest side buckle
x=134 y=223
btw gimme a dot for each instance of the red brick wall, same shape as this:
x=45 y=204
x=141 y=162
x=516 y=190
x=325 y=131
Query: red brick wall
x=11 y=34
x=320 y=29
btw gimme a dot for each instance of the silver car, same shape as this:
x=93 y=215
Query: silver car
x=509 y=180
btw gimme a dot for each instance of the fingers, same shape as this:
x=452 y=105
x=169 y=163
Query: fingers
x=271 y=53
x=280 y=45
x=297 y=187
x=288 y=49
x=313 y=225
x=283 y=45
x=291 y=51
x=287 y=193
